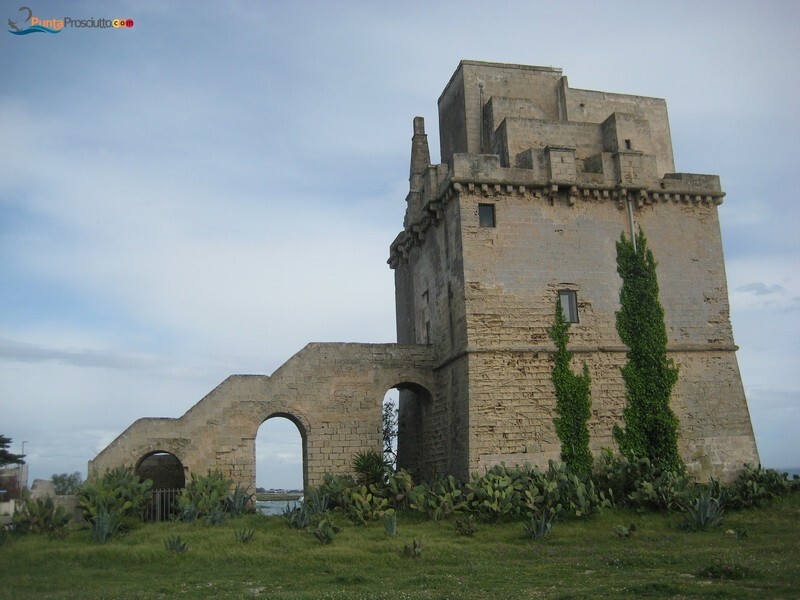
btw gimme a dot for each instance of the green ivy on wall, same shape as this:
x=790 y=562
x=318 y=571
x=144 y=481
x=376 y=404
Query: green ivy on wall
x=651 y=428
x=573 y=404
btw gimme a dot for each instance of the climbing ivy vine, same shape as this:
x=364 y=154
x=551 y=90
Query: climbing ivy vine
x=573 y=404
x=650 y=426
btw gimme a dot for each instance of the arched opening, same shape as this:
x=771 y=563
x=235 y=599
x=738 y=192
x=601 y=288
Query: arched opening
x=164 y=469
x=166 y=472
x=413 y=446
x=280 y=462
x=391 y=400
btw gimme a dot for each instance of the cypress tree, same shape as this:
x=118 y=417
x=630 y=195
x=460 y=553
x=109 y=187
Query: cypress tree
x=651 y=428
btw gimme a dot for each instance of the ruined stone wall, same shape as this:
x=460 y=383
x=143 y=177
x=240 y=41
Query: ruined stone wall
x=333 y=392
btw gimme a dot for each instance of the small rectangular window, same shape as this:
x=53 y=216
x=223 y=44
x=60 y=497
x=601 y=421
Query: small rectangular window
x=569 y=305
x=486 y=215
x=628 y=145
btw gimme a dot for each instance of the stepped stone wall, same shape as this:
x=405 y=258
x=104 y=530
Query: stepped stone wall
x=332 y=392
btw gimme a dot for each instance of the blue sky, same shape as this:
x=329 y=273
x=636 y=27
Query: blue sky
x=208 y=191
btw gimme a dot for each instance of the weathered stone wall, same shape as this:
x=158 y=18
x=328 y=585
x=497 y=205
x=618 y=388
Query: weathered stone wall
x=332 y=392
x=567 y=166
x=570 y=170
x=540 y=245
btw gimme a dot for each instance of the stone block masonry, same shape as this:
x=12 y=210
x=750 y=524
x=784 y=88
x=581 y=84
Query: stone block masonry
x=563 y=173
x=538 y=182
x=332 y=392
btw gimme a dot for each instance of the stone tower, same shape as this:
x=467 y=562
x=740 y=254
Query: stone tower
x=537 y=182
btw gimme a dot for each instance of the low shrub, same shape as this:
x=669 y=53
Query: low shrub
x=668 y=491
x=40 y=515
x=390 y=522
x=724 y=571
x=465 y=525
x=325 y=532
x=498 y=494
x=336 y=488
x=362 y=506
x=439 y=498
x=396 y=488
x=120 y=495
x=413 y=549
x=756 y=485
x=371 y=468
x=205 y=496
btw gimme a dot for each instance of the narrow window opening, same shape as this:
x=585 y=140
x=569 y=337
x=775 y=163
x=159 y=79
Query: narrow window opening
x=486 y=215
x=569 y=305
x=628 y=145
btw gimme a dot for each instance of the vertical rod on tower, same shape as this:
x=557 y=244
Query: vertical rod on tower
x=630 y=222
x=480 y=102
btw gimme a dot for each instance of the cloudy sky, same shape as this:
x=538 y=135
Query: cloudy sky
x=204 y=193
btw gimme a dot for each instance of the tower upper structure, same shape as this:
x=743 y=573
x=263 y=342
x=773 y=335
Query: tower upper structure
x=537 y=183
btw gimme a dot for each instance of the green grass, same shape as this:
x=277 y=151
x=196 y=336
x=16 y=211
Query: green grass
x=579 y=559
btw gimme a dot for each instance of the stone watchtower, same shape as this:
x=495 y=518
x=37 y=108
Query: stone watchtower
x=537 y=182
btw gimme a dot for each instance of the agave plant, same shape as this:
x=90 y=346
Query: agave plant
x=539 y=526
x=175 y=544
x=703 y=512
x=40 y=515
x=245 y=536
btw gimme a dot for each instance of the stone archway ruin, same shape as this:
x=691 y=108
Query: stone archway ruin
x=332 y=392
x=164 y=469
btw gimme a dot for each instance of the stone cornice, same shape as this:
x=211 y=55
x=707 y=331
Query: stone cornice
x=668 y=191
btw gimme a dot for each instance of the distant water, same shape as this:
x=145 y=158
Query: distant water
x=790 y=472
x=274 y=507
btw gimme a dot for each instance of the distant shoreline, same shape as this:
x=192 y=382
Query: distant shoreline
x=790 y=471
x=278 y=496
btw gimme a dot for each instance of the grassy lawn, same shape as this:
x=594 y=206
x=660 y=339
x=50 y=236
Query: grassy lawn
x=579 y=559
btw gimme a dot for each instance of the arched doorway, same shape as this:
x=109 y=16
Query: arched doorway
x=280 y=455
x=166 y=472
x=164 y=469
x=414 y=406
x=391 y=400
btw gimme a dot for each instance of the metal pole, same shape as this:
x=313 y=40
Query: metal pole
x=21 y=484
x=630 y=222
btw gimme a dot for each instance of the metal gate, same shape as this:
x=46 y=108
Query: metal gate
x=162 y=506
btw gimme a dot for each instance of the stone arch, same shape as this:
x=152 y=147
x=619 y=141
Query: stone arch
x=164 y=468
x=332 y=392
x=414 y=406
x=301 y=422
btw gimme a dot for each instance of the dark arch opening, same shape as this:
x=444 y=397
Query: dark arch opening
x=164 y=469
x=414 y=451
x=281 y=454
x=166 y=472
